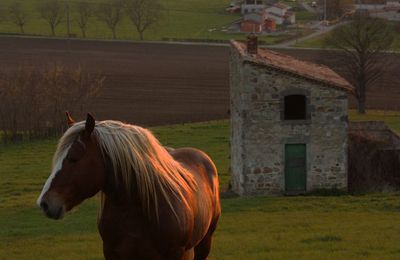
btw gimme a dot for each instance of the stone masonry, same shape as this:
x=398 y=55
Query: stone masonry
x=259 y=132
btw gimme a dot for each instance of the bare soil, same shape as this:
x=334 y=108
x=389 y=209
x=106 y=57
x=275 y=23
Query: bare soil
x=155 y=84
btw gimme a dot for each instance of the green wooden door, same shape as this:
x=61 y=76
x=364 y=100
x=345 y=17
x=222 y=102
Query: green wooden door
x=295 y=167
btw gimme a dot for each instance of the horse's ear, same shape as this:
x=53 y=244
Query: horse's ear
x=70 y=121
x=89 y=126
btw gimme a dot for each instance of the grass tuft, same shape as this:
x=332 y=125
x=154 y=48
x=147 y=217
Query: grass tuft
x=326 y=238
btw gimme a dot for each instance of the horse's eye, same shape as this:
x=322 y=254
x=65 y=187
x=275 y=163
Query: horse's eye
x=71 y=160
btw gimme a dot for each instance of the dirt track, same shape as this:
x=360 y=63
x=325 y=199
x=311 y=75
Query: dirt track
x=155 y=84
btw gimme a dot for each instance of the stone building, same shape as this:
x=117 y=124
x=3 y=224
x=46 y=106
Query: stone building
x=288 y=124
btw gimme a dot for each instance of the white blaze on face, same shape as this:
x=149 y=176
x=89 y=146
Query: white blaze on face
x=56 y=168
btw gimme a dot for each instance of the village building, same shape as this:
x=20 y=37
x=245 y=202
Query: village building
x=252 y=6
x=388 y=10
x=253 y=22
x=280 y=13
x=257 y=23
x=377 y=5
x=258 y=18
x=392 y=4
x=288 y=124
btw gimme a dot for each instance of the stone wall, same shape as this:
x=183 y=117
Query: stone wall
x=376 y=130
x=236 y=108
x=259 y=135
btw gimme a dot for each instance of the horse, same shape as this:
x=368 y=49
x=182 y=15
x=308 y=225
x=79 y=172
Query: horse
x=155 y=202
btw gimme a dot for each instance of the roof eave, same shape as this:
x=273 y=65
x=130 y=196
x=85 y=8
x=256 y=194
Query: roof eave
x=252 y=58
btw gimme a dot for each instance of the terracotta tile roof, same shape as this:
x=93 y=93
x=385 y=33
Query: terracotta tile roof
x=300 y=68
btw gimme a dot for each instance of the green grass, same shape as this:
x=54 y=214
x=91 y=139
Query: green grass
x=316 y=42
x=392 y=119
x=310 y=227
x=306 y=16
x=342 y=227
x=182 y=20
x=320 y=41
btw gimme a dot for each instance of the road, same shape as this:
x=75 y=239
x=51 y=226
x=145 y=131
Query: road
x=309 y=8
x=320 y=30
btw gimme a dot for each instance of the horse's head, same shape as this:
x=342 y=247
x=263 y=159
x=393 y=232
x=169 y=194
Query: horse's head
x=78 y=172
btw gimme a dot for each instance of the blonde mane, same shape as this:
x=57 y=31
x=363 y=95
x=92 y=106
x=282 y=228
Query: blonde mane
x=137 y=156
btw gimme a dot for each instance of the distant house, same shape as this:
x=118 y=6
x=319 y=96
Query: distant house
x=392 y=6
x=377 y=5
x=270 y=25
x=280 y=13
x=251 y=27
x=395 y=4
x=258 y=18
x=253 y=22
x=278 y=9
x=252 y=6
x=388 y=10
x=290 y=17
x=257 y=23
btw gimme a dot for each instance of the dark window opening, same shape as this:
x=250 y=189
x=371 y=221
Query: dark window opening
x=295 y=107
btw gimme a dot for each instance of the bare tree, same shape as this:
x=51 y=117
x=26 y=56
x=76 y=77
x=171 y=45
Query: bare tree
x=53 y=11
x=363 y=44
x=111 y=14
x=83 y=12
x=69 y=89
x=18 y=15
x=143 y=14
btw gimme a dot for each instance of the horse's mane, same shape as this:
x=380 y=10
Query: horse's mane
x=137 y=156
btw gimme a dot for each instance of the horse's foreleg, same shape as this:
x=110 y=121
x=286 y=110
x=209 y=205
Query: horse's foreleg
x=202 y=250
x=109 y=254
x=189 y=255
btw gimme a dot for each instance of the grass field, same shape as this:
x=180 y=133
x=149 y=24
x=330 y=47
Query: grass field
x=186 y=20
x=181 y=19
x=306 y=227
x=320 y=41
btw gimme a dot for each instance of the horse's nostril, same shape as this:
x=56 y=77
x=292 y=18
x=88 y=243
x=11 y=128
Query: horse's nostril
x=44 y=205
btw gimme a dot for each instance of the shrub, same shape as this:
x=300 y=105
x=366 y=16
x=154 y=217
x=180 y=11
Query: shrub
x=33 y=101
x=374 y=165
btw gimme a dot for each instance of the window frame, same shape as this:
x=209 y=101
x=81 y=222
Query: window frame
x=291 y=92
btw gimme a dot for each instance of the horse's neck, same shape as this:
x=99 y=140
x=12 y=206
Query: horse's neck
x=116 y=193
x=128 y=217
x=116 y=197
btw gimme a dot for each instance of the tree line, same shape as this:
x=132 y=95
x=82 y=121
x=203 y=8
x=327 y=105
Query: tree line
x=33 y=100
x=143 y=14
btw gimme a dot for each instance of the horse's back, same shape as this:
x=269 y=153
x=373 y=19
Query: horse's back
x=197 y=160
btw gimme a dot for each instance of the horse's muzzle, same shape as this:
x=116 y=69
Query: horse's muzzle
x=52 y=206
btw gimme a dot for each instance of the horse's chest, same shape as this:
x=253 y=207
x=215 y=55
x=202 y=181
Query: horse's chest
x=125 y=235
x=115 y=225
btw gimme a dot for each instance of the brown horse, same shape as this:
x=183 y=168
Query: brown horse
x=155 y=203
